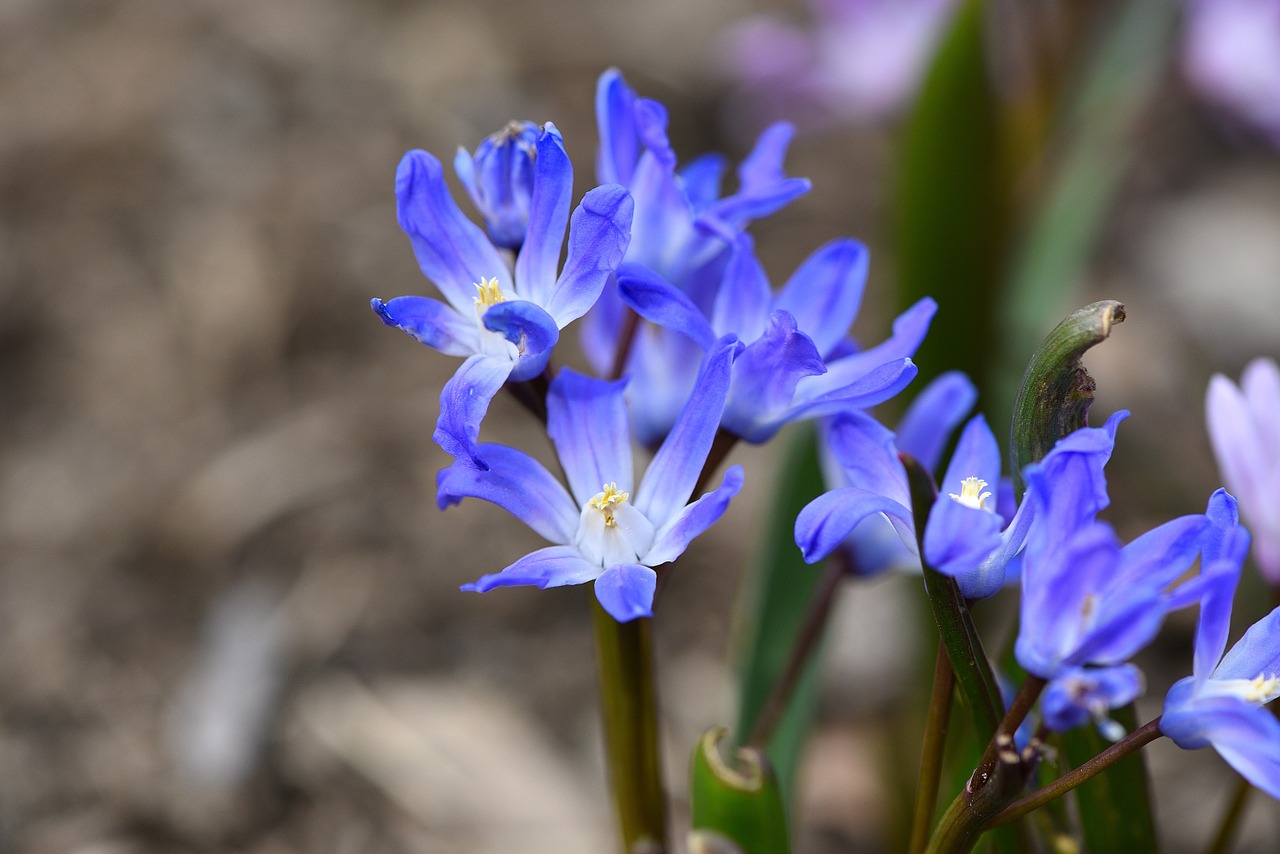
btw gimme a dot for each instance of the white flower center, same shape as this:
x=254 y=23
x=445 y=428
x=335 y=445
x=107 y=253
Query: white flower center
x=1260 y=690
x=971 y=494
x=612 y=531
x=489 y=294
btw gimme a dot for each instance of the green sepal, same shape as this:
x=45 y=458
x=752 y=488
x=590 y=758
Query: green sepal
x=740 y=801
x=1056 y=389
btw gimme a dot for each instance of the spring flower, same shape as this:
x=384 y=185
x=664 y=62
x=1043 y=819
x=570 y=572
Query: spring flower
x=1221 y=703
x=1232 y=56
x=860 y=63
x=504 y=321
x=499 y=179
x=1089 y=604
x=683 y=230
x=798 y=362
x=1244 y=428
x=605 y=528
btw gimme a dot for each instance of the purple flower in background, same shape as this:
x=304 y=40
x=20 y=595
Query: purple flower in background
x=1220 y=705
x=504 y=321
x=798 y=361
x=605 y=527
x=499 y=179
x=861 y=61
x=1232 y=56
x=1244 y=428
x=683 y=230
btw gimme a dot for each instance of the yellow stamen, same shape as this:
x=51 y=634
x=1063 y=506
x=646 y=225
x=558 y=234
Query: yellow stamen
x=489 y=295
x=607 y=500
x=971 y=494
x=1263 y=689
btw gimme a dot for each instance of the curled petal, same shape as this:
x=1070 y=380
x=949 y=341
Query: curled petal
x=463 y=402
x=554 y=566
x=825 y=522
x=626 y=591
x=765 y=379
x=518 y=484
x=525 y=325
x=432 y=322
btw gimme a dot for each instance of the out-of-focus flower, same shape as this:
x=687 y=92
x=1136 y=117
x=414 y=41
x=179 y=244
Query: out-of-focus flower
x=798 y=362
x=602 y=533
x=1232 y=56
x=965 y=537
x=504 y=321
x=1088 y=604
x=1244 y=428
x=1221 y=704
x=860 y=63
x=683 y=230
x=499 y=179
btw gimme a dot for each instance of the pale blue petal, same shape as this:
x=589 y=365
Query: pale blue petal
x=826 y=521
x=598 y=237
x=626 y=591
x=518 y=484
x=825 y=292
x=432 y=322
x=702 y=178
x=548 y=213
x=554 y=566
x=464 y=400
x=1258 y=652
x=868 y=459
x=1246 y=736
x=452 y=251
x=587 y=423
x=1076 y=696
x=670 y=478
x=742 y=302
x=673 y=538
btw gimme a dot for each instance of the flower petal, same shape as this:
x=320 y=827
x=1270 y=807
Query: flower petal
x=926 y=427
x=765 y=379
x=626 y=591
x=826 y=521
x=548 y=214
x=452 y=251
x=1245 y=735
x=463 y=402
x=826 y=290
x=1077 y=695
x=673 y=538
x=702 y=177
x=587 y=422
x=742 y=301
x=598 y=238
x=658 y=301
x=670 y=478
x=525 y=325
x=864 y=449
x=1256 y=653
x=432 y=322
x=616 y=123
x=554 y=566
x=518 y=484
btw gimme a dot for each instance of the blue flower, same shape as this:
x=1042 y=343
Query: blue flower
x=499 y=179
x=798 y=362
x=968 y=535
x=605 y=527
x=1220 y=704
x=504 y=321
x=1244 y=428
x=1088 y=604
x=683 y=230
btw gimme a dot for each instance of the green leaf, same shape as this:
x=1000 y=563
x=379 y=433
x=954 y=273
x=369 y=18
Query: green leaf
x=741 y=802
x=1115 y=806
x=776 y=594
x=950 y=206
x=1056 y=389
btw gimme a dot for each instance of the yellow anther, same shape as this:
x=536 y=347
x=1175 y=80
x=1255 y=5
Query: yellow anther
x=607 y=500
x=488 y=294
x=971 y=494
x=1263 y=689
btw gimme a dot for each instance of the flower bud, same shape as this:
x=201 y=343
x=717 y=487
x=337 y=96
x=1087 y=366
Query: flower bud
x=499 y=179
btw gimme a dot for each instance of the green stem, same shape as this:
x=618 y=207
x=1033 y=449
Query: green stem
x=1226 y=834
x=811 y=629
x=935 y=740
x=629 y=703
x=1132 y=742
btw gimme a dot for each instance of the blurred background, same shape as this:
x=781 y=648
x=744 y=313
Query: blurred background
x=229 y=616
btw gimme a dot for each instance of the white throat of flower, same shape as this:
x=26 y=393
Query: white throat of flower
x=488 y=294
x=1260 y=690
x=611 y=530
x=971 y=494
